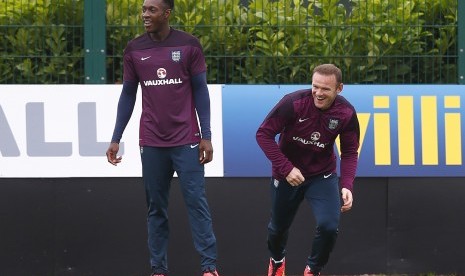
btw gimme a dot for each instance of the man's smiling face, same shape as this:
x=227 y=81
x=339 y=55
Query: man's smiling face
x=324 y=90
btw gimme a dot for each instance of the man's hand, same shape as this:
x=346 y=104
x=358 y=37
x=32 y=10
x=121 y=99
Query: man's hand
x=347 y=199
x=111 y=154
x=295 y=177
x=205 y=151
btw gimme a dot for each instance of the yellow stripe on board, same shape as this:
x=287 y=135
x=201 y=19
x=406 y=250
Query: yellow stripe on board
x=382 y=137
x=453 y=139
x=405 y=128
x=381 y=101
x=453 y=132
x=382 y=132
x=452 y=101
x=429 y=130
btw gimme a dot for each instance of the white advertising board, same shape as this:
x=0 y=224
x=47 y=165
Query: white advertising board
x=64 y=131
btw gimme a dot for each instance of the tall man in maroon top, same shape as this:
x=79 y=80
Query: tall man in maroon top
x=170 y=67
x=304 y=164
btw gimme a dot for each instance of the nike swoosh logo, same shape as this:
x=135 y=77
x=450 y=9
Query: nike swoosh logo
x=194 y=146
x=303 y=120
x=144 y=58
x=326 y=176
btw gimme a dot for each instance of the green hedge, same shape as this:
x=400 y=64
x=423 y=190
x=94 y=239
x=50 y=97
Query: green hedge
x=41 y=42
x=275 y=42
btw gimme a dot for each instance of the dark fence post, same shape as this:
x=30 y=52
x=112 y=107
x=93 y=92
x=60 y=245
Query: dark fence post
x=461 y=41
x=95 y=41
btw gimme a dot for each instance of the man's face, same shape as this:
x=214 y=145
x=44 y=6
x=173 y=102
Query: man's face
x=324 y=90
x=155 y=14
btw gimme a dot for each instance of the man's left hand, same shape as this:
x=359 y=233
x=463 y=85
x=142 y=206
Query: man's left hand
x=205 y=151
x=347 y=199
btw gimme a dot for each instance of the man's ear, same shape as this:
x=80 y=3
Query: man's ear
x=339 y=88
x=167 y=13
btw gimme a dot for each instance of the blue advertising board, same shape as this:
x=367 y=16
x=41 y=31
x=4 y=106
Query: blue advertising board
x=406 y=130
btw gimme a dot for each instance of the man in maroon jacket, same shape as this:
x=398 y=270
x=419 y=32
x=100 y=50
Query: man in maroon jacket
x=304 y=164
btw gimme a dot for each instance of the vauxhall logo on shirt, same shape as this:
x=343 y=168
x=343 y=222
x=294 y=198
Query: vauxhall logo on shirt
x=162 y=80
x=314 y=137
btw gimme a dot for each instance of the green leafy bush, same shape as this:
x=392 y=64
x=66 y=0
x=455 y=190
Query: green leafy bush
x=275 y=42
x=42 y=41
x=123 y=24
x=409 y=41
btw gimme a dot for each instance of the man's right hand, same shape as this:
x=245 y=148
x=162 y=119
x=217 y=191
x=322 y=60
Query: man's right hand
x=111 y=154
x=295 y=177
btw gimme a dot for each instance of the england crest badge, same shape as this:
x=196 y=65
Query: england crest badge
x=176 y=55
x=333 y=123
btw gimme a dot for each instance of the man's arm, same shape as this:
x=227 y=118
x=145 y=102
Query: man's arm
x=273 y=124
x=126 y=104
x=202 y=103
x=202 y=106
x=350 y=140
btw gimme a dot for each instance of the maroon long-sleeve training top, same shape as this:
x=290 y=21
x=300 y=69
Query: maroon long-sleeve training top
x=307 y=137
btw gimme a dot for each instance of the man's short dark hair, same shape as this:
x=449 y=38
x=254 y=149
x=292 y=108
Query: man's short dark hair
x=329 y=69
x=169 y=3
